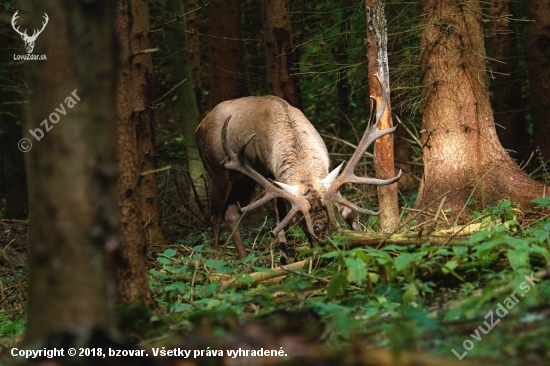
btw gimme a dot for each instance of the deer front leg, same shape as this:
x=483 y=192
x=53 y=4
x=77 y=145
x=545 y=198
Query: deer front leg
x=280 y=211
x=232 y=218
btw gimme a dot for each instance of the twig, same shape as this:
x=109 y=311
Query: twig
x=158 y=170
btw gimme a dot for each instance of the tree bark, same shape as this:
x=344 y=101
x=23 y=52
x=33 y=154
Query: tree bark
x=281 y=56
x=225 y=51
x=72 y=172
x=377 y=56
x=396 y=13
x=186 y=97
x=508 y=104
x=461 y=151
x=133 y=285
x=143 y=79
x=538 y=61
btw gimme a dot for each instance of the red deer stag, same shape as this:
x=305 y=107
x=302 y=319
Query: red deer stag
x=278 y=148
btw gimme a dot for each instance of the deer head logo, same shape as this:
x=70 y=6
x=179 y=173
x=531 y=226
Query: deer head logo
x=29 y=40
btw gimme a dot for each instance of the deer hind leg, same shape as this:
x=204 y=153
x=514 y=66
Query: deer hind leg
x=349 y=217
x=240 y=195
x=217 y=203
x=280 y=212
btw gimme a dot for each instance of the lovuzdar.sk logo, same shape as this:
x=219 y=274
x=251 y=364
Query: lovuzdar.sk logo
x=29 y=40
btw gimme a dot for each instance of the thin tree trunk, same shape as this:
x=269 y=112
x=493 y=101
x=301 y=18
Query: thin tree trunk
x=340 y=54
x=13 y=179
x=462 y=155
x=281 y=56
x=186 y=97
x=142 y=75
x=192 y=22
x=72 y=172
x=225 y=51
x=508 y=104
x=538 y=61
x=377 y=55
x=133 y=285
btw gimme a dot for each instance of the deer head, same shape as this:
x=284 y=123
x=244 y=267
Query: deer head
x=29 y=40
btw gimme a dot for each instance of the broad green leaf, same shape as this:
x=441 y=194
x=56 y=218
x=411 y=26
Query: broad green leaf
x=357 y=270
x=164 y=260
x=479 y=236
x=542 y=202
x=337 y=285
x=404 y=260
x=170 y=252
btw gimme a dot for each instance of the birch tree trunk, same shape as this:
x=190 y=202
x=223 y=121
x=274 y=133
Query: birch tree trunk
x=377 y=56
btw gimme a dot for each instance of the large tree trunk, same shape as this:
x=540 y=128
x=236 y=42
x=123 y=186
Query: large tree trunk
x=225 y=51
x=538 y=61
x=133 y=285
x=72 y=171
x=377 y=55
x=186 y=97
x=142 y=75
x=460 y=145
x=281 y=55
x=508 y=105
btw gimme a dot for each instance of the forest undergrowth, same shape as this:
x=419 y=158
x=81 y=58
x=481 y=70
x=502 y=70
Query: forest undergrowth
x=480 y=293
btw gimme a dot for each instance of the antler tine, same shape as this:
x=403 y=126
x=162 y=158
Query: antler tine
x=234 y=162
x=44 y=23
x=14 y=25
x=348 y=175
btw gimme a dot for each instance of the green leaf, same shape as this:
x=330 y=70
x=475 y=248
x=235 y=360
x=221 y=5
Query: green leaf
x=337 y=285
x=460 y=250
x=357 y=270
x=182 y=307
x=404 y=260
x=332 y=254
x=164 y=260
x=542 y=202
x=449 y=266
x=170 y=252
x=519 y=259
x=479 y=236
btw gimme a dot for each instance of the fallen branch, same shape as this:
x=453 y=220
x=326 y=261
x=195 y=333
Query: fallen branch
x=257 y=277
x=355 y=239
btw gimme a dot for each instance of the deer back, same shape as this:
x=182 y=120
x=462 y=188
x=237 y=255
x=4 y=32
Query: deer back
x=286 y=146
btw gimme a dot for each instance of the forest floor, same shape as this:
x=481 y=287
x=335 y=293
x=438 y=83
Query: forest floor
x=478 y=297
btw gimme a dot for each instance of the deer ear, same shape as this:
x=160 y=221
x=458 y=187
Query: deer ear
x=331 y=177
x=293 y=190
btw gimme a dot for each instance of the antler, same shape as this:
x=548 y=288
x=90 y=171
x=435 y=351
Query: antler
x=233 y=162
x=15 y=16
x=36 y=33
x=24 y=34
x=348 y=176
